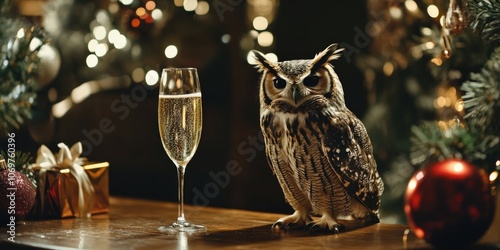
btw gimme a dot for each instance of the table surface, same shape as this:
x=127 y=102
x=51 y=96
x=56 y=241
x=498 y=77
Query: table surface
x=132 y=224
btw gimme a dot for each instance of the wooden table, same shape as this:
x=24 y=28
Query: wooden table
x=133 y=223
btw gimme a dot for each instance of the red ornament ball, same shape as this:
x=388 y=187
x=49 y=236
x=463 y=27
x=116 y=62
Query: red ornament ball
x=449 y=203
x=17 y=195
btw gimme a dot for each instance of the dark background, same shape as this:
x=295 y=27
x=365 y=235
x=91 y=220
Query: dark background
x=139 y=167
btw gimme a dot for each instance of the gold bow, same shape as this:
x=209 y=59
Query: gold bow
x=66 y=159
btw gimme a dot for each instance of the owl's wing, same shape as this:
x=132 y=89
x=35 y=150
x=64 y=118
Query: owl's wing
x=349 y=151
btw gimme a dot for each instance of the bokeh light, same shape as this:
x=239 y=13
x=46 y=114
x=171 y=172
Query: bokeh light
x=126 y=2
x=152 y=77
x=203 y=8
x=225 y=38
x=120 y=42
x=260 y=23
x=135 y=22
x=140 y=11
x=92 y=60
x=101 y=49
x=156 y=14
x=171 y=51
x=92 y=45
x=411 y=5
x=113 y=35
x=433 y=11
x=138 y=75
x=272 y=57
x=150 y=5
x=190 y=5
x=251 y=58
x=265 y=39
x=178 y=3
x=99 y=32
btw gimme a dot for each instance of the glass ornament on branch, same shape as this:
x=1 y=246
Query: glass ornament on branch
x=450 y=203
x=457 y=18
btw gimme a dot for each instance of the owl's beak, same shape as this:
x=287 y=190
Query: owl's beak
x=295 y=93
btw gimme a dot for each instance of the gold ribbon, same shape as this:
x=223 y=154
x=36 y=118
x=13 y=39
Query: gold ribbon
x=66 y=159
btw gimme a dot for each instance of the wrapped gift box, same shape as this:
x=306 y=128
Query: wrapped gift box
x=62 y=196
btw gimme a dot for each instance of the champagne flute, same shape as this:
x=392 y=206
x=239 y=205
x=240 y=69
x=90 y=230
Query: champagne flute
x=180 y=122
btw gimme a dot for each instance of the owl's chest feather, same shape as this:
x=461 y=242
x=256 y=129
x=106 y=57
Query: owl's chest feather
x=294 y=135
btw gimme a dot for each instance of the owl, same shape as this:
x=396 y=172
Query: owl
x=318 y=149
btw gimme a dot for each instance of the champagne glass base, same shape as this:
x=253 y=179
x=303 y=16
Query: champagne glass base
x=182 y=227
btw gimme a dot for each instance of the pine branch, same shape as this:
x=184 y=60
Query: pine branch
x=432 y=143
x=482 y=96
x=485 y=18
x=435 y=141
x=18 y=68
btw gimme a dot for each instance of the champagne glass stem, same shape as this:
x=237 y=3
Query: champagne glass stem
x=181 y=169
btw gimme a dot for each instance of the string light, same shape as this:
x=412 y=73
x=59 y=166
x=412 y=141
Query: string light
x=101 y=49
x=113 y=35
x=225 y=38
x=151 y=78
x=135 y=22
x=178 y=3
x=426 y=31
x=251 y=59
x=126 y=2
x=388 y=68
x=433 y=11
x=411 y=6
x=150 y=5
x=203 y=8
x=137 y=75
x=395 y=12
x=260 y=23
x=99 y=32
x=120 y=42
x=190 y=5
x=447 y=98
x=92 y=61
x=156 y=14
x=265 y=39
x=272 y=57
x=140 y=12
x=113 y=8
x=171 y=51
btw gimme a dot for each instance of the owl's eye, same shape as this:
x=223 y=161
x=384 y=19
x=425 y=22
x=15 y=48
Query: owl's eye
x=311 y=81
x=279 y=83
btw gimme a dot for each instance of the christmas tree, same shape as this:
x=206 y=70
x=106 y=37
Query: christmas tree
x=434 y=81
x=20 y=43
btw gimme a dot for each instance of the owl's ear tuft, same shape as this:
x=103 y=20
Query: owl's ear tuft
x=331 y=53
x=263 y=63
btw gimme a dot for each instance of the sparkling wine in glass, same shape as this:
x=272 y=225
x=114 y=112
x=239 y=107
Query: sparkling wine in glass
x=180 y=122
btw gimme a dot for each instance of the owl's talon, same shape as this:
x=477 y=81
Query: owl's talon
x=372 y=218
x=337 y=229
x=325 y=224
x=276 y=225
x=296 y=220
x=313 y=228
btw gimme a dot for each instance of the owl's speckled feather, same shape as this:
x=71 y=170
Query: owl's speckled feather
x=317 y=148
